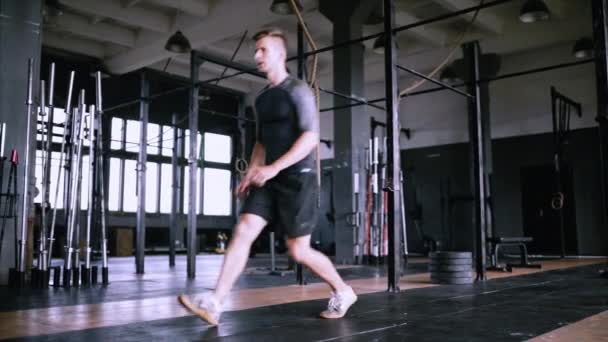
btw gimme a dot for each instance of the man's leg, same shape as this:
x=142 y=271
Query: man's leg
x=343 y=295
x=247 y=230
x=300 y=250
x=209 y=305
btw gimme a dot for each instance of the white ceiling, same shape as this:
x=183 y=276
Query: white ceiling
x=130 y=34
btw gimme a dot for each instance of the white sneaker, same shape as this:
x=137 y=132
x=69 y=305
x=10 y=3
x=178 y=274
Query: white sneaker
x=204 y=306
x=339 y=303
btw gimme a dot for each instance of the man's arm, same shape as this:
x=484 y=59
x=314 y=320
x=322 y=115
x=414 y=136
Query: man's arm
x=298 y=151
x=258 y=156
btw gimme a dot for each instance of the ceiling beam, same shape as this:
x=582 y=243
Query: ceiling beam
x=201 y=34
x=217 y=70
x=434 y=36
x=73 y=44
x=198 y=8
x=129 y=3
x=148 y=19
x=485 y=20
x=102 y=32
x=181 y=69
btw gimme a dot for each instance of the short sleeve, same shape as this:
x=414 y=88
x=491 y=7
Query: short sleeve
x=305 y=107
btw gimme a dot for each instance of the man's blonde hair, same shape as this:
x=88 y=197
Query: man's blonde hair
x=271 y=32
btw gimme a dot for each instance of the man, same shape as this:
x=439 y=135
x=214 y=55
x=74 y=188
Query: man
x=280 y=184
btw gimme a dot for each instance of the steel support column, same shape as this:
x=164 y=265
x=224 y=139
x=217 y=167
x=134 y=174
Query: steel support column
x=472 y=54
x=193 y=165
x=392 y=185
x=175 y=186
x=140 y=245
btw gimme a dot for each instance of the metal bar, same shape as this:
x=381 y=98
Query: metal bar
x=92 y=163
x=432 y=80
x=175 y=197
x=60 y=168
x=46 y=158
x=25 y=205
x=406 y=27
x=497 y=78
x=224 y=115
x=352 y=98
x=403 y=219
x=537 y=70
x=192 y=162
x=472 y=53
x=78 y=200
x=101 y=177
x=392 y=163
x=47 y=174
x=376 y=123
x=201 y=56
x=76 y=150
x=141 y=175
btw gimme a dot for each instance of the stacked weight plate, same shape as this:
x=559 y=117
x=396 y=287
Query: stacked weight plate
x=454 y=268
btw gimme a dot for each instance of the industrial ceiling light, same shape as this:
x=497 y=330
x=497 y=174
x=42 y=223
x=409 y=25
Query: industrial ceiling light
x=283 y=7
x=583 y=48
x=533 y=11
x=178 y=43
x=379 y=44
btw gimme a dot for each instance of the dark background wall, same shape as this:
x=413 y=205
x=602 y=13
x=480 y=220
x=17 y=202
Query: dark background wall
x=431 y=168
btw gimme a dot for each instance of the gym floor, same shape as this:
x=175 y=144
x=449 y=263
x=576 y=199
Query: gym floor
x=564 y=301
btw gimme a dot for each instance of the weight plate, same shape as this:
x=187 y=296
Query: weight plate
x=448 y=268
x=452 y=262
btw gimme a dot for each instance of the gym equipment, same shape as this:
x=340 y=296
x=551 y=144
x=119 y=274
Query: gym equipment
x=453 y=268
x=22 y=243
x=10 y=211
x=561 y=108
x=71 y=254
x=68 y=116
x=520 y=242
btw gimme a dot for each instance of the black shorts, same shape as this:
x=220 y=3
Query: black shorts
x=288 y=202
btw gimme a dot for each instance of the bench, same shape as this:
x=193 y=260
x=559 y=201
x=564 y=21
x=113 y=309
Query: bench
x=498 y=242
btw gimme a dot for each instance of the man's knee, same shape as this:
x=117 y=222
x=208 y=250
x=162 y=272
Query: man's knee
x=299 y=252
x=248 y=229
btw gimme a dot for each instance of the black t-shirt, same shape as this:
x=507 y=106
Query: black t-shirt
x=284 y=112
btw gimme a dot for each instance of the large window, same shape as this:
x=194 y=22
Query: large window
x=129 y=198
x=213 y=197
x=114 y=184
x=166 y=195
x=217 y=194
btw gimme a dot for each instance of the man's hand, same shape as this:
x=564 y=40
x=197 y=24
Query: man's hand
x=256 y=176
x=262 y=174
x=243 y=188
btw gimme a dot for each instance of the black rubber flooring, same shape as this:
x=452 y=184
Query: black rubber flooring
x=506 y=309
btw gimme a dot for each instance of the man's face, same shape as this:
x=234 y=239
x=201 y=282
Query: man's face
x=269 y=54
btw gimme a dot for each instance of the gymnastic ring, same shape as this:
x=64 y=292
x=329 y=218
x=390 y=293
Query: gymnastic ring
x=241 y=165
x=557 y=201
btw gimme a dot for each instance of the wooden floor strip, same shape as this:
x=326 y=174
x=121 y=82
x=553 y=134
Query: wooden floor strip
x=591 y=329
x=53 y=320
